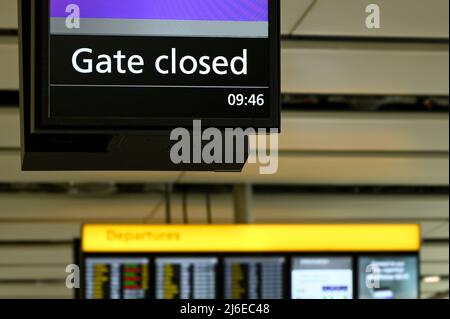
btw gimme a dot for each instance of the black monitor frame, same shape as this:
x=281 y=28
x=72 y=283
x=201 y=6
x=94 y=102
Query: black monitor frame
x=113 y=148
x=35 y=51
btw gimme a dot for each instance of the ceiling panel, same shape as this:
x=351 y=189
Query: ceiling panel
x=291 y=13
x=406 y=132
x=345 y=159
x=67 y=209
x=8 y=14
x=38 y=231
x=435 y=252
x=30 y=272
x=315 y=67
x=26 y=217
x=364 y=131
x=291 y=208
x=305 y=168
x=399 y=18
x=434 y=269
x=432 y=289
x=38 y=290
x=9 y=63
x=9 y=127
x=436 y=230
x=36 y=254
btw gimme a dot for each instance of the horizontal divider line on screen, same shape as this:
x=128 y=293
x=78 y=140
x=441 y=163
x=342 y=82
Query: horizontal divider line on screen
x=162 y=86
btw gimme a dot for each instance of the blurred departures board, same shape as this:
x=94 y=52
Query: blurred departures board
x=250 y=262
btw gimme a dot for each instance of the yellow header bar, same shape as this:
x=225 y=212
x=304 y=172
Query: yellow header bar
x=250 y=238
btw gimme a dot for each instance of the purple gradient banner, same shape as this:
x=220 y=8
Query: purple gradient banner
x=203 y=10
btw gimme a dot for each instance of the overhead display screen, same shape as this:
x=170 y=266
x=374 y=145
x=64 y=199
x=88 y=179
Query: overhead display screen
x=388 y=277
x=254 y=278
x=152 y=63
x=322 y=278
x=117 y=278
x=186 y=278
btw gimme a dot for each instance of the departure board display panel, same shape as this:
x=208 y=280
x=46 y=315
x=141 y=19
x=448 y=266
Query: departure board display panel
x=186 y=278
x=322 y=278
x=117 y=278
x=152 y=63
x=249 y=261
x=254 y=278
x=388 y=277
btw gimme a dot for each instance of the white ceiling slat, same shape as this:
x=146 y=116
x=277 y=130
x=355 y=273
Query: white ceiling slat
x=35 y=291
x=9 y=127
x=312 y=67
x=399 y=19
x=441 y=232
x=303 y=168
x=435 y=253
x=65 y=209
x=35 y=272
x=14 y=232
x=351 y=131
x=36 y=254
x=304 y=208
x=266 y=208
x=9 y=63
x=59 y=216
x=302 y=131
x=442 y=286
x=8 y=14
x=340 y=169
x=434 y=269
x=291 y=12
x=436 y=230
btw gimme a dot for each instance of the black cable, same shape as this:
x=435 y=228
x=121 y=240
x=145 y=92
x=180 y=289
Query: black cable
x=168 y=195
x=208 y=208
x=184 y=199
